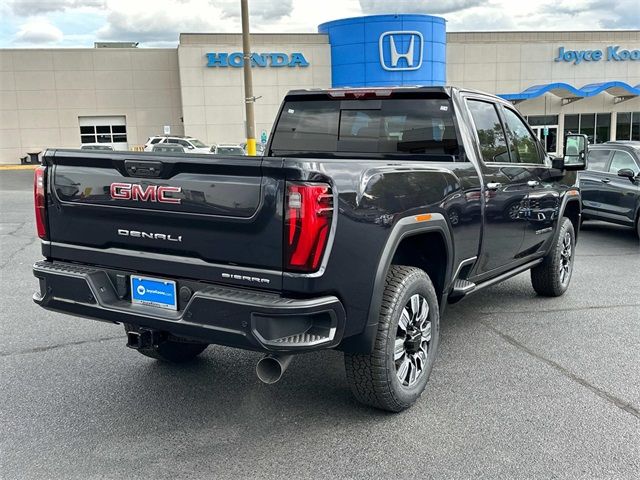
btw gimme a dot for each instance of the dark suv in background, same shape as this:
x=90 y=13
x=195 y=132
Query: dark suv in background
x=611 y=184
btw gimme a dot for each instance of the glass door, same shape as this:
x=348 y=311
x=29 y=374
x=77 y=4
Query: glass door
x=548 y=135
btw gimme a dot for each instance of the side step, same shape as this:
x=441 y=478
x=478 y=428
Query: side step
x=462 y=287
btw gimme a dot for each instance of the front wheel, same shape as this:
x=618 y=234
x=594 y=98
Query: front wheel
x=394 y=375
x=551 y=278
x=171 y=349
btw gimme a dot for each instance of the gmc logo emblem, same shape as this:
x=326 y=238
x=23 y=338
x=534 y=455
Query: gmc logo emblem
x=138 y=193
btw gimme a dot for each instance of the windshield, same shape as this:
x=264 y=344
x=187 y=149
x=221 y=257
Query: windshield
x=397 y=126
x=197 y=143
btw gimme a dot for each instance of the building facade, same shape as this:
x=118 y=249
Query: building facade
x=578 y=82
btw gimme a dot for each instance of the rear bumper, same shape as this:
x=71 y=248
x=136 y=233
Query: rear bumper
x=212 y=314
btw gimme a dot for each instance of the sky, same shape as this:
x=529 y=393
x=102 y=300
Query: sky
x=157 y=23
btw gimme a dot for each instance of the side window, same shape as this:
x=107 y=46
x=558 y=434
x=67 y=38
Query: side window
x=155 y=140
x=622 y=160
x=184 y=143
x=493 y=145
x=597 y=160
x=522 y=144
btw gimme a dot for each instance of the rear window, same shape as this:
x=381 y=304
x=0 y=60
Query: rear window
x=389 y=127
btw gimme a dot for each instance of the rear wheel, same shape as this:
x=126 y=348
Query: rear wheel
x=171 y=349
x=394 y=375
x=551 y=278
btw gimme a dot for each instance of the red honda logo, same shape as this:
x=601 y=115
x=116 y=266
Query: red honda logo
x=138 y=193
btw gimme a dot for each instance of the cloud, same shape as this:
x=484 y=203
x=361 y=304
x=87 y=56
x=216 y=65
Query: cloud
x=619 y=14
x=27 y=8
x=264 y=10
x=417 y=6
x=38 y=31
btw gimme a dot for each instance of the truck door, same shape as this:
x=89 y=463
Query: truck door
x=618 y=196
x=592 y=181
x=542 y=198
x=505 y=189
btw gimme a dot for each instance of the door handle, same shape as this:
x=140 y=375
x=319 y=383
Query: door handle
x=493 y=186
x=605 y=180
x=533 y=183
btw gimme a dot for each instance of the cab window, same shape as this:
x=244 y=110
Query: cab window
x=493 y=144
x=522 y=144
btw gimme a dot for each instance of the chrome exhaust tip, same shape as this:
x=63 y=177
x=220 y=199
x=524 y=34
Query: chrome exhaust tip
x=271 y=367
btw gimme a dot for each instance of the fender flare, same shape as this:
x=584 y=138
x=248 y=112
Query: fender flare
x=404 y=228
x=570 y=196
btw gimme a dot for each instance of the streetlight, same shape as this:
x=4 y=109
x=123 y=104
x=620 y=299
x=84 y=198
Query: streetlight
x=249 y=99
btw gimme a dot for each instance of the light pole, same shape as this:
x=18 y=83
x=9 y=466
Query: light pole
x=249 y=99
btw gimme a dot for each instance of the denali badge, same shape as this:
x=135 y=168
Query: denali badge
x=245 y=278
x=153 y=236
x=138 y=193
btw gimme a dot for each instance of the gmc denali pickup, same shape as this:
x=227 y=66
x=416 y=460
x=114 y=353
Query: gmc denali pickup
x=371 y=210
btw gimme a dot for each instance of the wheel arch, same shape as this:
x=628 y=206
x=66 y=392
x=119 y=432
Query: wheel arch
x=572 y=209
x=404 y=247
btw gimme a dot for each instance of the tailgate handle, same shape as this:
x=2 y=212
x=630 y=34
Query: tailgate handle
x=143 y=169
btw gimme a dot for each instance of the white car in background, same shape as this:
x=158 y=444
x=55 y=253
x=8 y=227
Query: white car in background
x=190 y=144
x=227 y=149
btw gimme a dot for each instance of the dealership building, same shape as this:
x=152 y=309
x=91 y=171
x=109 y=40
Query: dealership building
x=117 y=94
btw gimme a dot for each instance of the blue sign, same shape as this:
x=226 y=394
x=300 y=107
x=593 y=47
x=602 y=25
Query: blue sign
x=236 y=60
x=386 y=50
x=613 y=53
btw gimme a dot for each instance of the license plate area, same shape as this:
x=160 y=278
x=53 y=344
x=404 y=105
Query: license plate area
x=154 y=292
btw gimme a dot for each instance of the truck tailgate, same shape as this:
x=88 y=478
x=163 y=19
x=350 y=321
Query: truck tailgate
x=204 y=209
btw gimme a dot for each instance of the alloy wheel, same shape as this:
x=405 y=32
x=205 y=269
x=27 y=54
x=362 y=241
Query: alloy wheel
x=412 y=342
x=566 y=254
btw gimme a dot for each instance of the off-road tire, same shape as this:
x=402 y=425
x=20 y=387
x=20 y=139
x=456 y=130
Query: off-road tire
x=173 y=349
x=373 y=377
x=547 y=278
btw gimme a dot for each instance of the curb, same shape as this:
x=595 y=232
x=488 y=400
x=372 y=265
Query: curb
x=18 y=167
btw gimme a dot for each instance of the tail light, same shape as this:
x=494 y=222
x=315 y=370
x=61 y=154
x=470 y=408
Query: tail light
x=39 y=200
x=309 y=212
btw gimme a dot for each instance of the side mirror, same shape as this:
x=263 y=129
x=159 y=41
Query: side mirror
x=190 y=147
x=576 y=148
x=627 y=173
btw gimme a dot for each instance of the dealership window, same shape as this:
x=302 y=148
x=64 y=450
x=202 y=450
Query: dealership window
x=588 y=126
x=103 y=129
x=628 y=126
x=571 y=124
x=542 y=120
x=596 y=126
x=603 y=127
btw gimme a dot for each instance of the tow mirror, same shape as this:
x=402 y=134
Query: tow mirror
x=576 y=148
x=627 y=173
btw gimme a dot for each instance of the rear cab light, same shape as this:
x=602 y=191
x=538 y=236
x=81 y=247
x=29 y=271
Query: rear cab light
x=360 y=93
x=308 y=219
x=40 y=200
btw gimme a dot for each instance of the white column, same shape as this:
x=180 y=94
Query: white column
x=560 y=141
x=614 y=125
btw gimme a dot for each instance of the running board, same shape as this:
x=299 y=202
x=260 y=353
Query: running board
x=462 y=288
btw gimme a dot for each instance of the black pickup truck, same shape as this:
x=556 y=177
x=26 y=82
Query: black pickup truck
x=370 y=212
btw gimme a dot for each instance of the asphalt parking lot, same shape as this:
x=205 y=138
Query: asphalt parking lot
x=524 y=387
